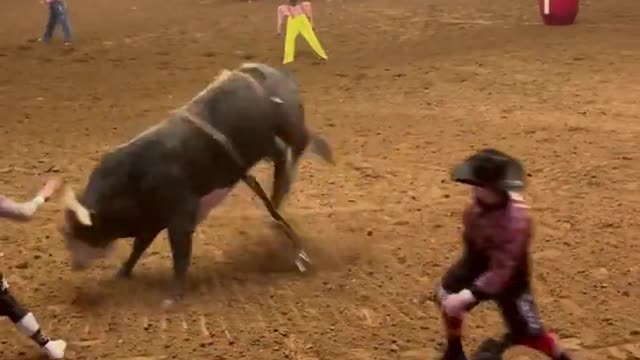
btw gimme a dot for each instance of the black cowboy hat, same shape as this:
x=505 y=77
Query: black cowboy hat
x=492 y=169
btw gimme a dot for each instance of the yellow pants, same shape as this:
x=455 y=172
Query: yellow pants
x=297 y=25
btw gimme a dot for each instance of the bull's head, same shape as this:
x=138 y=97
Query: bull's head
x=296 y=140
x=78 y=232
x=286 y=168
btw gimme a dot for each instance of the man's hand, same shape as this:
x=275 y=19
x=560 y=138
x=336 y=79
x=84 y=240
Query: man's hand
x=50 y=188
x=456 y=304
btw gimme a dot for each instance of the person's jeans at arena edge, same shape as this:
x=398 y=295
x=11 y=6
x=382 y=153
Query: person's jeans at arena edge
x=57 y=15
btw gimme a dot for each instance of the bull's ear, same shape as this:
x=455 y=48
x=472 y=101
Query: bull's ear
x=321 y=147
x=255 y=71
x=81 y=213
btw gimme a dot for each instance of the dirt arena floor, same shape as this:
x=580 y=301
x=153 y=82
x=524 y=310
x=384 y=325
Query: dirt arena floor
x=411 y=87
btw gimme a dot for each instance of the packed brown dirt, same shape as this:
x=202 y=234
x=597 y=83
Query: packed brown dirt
x=411 y=87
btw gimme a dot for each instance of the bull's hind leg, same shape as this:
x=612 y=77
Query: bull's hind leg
x=301 y=259
x=181 y=230
x=180 y=239
x=140 y=245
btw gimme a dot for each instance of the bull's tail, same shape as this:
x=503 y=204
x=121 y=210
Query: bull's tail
x=319 y=146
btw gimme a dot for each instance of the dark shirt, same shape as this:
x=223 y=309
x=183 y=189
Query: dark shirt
x=497 y=242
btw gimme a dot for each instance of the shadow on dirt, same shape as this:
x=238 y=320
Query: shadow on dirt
x=255 y=261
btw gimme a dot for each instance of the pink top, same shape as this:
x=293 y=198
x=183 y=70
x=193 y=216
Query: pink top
x=284 y=11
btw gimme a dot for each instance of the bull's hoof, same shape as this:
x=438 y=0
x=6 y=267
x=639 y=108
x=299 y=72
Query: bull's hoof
x=174 y=298
x=167 y=304
x=302 y=266
x=123 y=274
x=178 y=290
x=303 y=262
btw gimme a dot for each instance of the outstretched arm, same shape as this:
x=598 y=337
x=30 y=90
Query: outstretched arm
x=20 y=211
x=25 y=211
x=282 y=14
x=306 y=7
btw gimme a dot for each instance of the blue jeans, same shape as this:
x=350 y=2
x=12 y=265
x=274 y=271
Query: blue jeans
x=57 y=15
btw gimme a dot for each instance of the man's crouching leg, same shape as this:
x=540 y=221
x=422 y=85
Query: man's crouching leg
x=27 y=324
x=458 y=277
x=522 y=317
x=453 y=329
x=546 y=344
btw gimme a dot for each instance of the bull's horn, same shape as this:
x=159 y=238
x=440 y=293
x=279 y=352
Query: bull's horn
x=71 y=202
x=249 y=65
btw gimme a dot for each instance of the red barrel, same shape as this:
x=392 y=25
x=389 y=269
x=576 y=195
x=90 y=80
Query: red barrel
x=559 y=12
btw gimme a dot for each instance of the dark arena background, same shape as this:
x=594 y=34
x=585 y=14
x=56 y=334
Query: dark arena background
x=410 y=88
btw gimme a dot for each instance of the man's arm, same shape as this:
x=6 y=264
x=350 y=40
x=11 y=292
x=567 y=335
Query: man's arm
x=282 y=14
x=25 y=211
x=306 y=7
x=20 y=211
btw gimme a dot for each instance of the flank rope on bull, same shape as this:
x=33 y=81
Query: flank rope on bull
x=248 y=178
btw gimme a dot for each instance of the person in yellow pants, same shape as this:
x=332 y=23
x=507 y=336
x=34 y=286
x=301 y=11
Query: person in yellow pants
x=299 y=20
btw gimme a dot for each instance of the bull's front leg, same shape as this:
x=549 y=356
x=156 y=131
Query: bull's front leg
x=140 y=245
x=282 y=174
x=180 y=231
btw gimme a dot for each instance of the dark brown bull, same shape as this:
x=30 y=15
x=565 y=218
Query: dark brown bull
x=173 y=174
